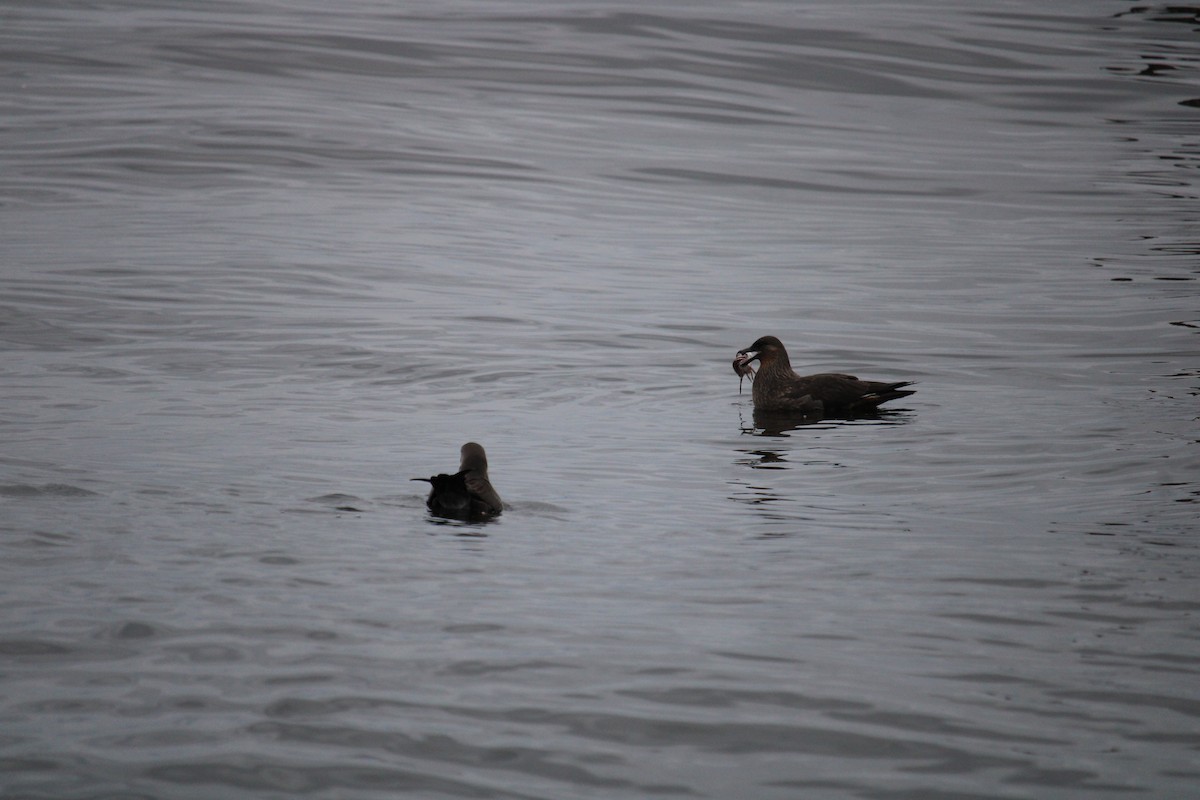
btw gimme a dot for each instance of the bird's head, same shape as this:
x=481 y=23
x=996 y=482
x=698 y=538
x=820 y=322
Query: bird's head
x=765 y=350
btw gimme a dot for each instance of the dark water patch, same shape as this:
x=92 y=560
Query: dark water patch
x=474 y=668
x=46 y=490
x=207 y=653
x=893 y=794
x=289 y=708
x=1043 y=713
x=474 y=628
x=285 y=680
x=21 y=327
x=1092 y=616
x=1157 y=12
x=1010 y=583
x=988 y=678
x=767 y=182
x=1160 y=662
x=17 y=765
x=1162 y=604
x=44 y=539
x=66 y=706
x=135 y=630
x=157 y=740
x=259 y=775
x=33 y=648
x=538 y=763
x=733 y=738
x=1184 y=706
x=926 y=724
x=706 y=697
x=1046 y=778
x=278 y=560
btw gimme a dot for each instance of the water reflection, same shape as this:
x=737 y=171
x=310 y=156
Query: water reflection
x=774 y=423
x=459 y=528
x=459 y=518
x=765 y=459
x=762 y=496
x=1187 y=15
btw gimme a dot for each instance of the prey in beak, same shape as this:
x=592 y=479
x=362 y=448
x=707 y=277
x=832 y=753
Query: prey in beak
x=741 y=365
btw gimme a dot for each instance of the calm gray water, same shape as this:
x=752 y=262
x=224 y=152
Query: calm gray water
x=263 y=262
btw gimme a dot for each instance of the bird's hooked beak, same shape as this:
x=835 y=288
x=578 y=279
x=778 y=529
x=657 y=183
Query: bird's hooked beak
x=744 y=357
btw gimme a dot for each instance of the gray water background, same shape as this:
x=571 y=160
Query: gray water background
x=263 y=262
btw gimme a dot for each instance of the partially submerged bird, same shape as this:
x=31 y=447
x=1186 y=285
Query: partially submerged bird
x=777 y=388
x=467 y=494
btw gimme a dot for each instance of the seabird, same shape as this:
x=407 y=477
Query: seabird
x=467 y=493
x=777 y=388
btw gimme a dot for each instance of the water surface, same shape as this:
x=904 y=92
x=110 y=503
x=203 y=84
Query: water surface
x=263 y=263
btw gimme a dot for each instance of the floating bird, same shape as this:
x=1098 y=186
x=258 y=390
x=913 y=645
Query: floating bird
x=777 y=388
x=467 y=494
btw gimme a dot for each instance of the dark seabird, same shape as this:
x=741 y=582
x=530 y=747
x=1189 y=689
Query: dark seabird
x=778 y=389
x=467 y=493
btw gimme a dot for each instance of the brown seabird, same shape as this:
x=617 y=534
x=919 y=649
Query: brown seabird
x=467 y=493
x=777 y=388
